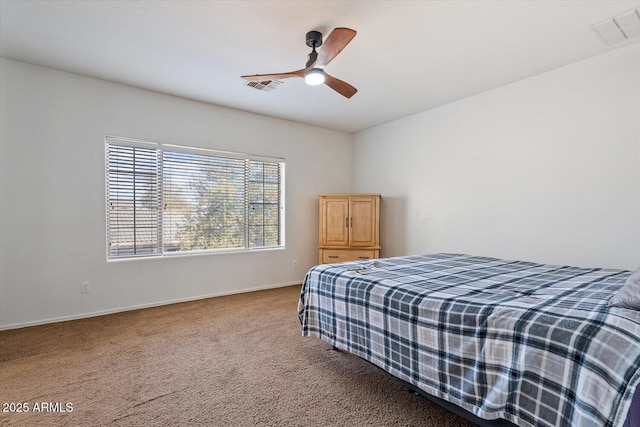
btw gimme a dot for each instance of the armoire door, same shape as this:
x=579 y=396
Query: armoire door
x=363 y=221
x=334 y=217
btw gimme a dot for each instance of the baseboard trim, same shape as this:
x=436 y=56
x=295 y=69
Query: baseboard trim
x=141 y=306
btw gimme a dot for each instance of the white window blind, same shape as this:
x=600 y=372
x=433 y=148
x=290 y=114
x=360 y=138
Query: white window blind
x=164 y=200
x=133 y=201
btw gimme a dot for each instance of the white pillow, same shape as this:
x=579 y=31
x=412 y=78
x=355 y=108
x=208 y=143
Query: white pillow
x=629 y=295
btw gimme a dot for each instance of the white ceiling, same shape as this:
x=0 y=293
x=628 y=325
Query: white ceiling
x=408 y=56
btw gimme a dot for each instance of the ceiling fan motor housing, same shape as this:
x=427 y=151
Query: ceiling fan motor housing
x=314 y=39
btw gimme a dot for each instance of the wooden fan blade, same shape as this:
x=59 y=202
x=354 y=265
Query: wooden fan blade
x=342 y=87
x=333 y=45
x=264 y=77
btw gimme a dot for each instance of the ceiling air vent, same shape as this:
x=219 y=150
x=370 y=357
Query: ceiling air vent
x=265 y=86
x=620 y=28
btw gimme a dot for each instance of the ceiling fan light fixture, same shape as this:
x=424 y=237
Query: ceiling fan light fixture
x=314 y=77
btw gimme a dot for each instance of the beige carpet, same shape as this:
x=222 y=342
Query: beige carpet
x=237 y=360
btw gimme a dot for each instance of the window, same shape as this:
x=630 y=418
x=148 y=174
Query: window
x=164 y=199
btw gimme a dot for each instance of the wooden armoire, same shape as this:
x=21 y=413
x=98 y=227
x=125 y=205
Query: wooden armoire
x=349 y=227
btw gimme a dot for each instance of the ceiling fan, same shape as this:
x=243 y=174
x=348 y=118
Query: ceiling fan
x=314 y=73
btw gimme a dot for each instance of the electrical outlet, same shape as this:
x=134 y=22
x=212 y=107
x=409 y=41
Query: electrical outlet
x=294 y=263
x=84 y=288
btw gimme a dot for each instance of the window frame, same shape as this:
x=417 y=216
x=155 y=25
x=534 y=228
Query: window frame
x=162 y=229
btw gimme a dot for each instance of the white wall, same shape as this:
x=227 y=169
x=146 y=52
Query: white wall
x=52 y=194
x=545 y=169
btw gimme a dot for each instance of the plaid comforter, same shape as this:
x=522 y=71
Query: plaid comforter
x=534 y=344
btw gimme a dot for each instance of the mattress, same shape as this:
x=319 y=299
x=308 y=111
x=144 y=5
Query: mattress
x=533 y=344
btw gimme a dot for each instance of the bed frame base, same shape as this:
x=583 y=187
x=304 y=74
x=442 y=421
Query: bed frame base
x=458 y=410
x=446 y=405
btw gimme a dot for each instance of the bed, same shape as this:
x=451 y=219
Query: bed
x=525 y=343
